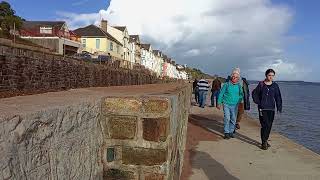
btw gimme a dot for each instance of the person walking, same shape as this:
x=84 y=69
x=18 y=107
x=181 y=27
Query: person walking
x=244 y=105
x=196 y=90
x=203 y=86
x=267 y=96
x=215 y=90
x=230 y=96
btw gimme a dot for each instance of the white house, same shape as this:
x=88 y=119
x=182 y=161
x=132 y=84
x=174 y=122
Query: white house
x=147 y=56
x=122 y=35
x=158 y=65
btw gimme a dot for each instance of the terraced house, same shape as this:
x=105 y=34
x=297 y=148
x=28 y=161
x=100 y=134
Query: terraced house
x=135 y=49
x=147 y=56
x=98 y=41
x=121 y=34
x=158 y=65
x=54 y=35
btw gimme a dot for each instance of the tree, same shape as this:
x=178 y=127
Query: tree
x=8 y=18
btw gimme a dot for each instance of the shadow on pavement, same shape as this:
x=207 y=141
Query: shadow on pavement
x=212 y=168
x=214 y=126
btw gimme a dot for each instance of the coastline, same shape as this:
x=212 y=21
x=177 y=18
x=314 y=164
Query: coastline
x=209 y=156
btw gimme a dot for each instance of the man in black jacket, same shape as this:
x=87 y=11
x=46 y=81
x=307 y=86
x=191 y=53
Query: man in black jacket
x=245 y=103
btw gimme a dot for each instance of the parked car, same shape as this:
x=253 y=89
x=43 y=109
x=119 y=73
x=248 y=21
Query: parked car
x=84 y=55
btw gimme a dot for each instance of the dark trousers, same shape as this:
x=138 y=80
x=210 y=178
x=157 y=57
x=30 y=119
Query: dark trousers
x=266 y=118
x=196 y=96
x=215 y=95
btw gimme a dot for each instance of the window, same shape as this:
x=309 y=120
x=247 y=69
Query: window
x=111 y=46
x=97 y=43
x=45 y=30
x=118 y=49
x=84 y=42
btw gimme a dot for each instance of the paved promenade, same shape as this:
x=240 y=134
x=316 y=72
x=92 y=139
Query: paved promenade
x=209 y=156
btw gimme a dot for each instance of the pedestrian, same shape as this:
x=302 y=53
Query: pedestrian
x=203 y=86
x=267 y=96
x=230 y=96
x=245 y=103
x=215 y=90
x=196 y=90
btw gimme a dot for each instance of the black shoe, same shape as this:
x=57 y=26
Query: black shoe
x=268 y=145
x=237 y=126
x=226 y=136
x=231 y=135
x=264 y=146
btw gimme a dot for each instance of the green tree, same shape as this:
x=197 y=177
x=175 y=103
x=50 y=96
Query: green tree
x=8 y=18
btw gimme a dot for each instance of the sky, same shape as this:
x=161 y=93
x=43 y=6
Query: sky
x=212 y=35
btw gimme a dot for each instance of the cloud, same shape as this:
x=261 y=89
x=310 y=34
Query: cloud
x=214 y=35
x=76 y=20
x=79 y=3
x=192 y=52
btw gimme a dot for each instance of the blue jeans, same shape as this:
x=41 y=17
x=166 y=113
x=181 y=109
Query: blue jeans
x=230 y=117
x=215 y=94
x=202 y=98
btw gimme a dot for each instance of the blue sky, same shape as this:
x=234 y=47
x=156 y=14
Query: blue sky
x=300 y=39
x=306 y=28
x=47 y=9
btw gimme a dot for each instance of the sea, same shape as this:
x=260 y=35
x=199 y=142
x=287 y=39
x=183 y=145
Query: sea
x=300 y=120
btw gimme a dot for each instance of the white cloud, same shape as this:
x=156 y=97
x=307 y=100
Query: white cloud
x=79 y=3
x=284 y=70
x=75 y=20
x=214 y=35
x=192 y=52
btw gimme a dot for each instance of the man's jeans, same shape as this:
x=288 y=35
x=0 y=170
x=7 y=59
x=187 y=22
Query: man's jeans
x=215 y=94
x=230 y=117
x=202 y=98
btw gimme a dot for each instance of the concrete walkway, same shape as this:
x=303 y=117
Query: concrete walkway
x=241 y=157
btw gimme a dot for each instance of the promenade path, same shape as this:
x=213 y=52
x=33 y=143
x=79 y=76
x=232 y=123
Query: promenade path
x=209 y=157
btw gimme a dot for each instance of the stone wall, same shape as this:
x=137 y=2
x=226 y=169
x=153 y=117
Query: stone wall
x=93 y=134
x=25 y=71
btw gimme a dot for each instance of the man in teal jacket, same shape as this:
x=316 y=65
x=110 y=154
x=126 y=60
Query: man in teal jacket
x=230 y=96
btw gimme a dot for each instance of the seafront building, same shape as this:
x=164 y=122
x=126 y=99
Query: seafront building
x=97 y=40
x=54 y=35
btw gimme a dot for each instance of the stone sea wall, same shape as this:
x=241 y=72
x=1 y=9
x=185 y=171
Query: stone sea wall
x=31 y=71
x=139 y=137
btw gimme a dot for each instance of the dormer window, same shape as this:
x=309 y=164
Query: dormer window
x=45 y=30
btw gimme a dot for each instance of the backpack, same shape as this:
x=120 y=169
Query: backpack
x=256 y=95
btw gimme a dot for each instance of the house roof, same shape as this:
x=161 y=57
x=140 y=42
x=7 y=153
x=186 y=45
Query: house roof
x=146 y=46
x=120 y=28
x=157 y=52
x=94 y=31
x=134 y=38
x=36 y=24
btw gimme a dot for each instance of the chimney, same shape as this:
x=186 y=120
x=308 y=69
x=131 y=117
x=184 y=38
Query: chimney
x=104 y=25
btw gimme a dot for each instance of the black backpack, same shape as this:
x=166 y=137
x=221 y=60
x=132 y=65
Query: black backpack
x=256 y=95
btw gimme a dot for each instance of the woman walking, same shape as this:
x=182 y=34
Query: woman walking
x=230 y=96
x=267 y=95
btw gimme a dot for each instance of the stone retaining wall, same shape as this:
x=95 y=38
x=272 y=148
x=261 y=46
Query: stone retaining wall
x=25 y=71
x=139 y=137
